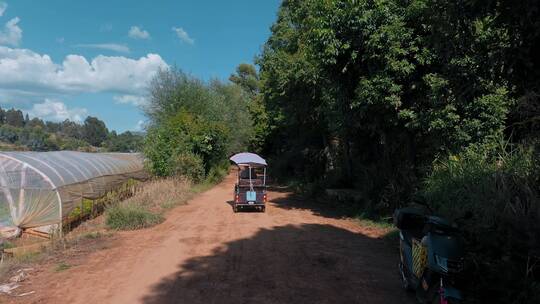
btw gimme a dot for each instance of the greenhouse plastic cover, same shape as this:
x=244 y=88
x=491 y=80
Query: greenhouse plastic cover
x=41 y=188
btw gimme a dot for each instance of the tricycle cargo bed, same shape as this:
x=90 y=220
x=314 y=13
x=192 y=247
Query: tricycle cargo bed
x=242 y=198
x=254 y=182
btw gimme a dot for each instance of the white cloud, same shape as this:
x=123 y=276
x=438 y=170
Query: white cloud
x=136 y=32
x=183 y=35
x=3 y=8
x=138 y=101
x=55 y=110
x=11 y=34
x=60 y=40
x=105 y=46
x=140 y=126
x=32 y=73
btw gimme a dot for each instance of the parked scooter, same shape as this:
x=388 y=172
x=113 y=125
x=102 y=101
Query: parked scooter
x=432 y=255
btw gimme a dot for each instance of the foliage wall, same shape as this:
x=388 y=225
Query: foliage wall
x=374 y=95
x=194 y=125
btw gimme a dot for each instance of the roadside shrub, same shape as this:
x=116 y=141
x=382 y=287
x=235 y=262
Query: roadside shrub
x=190 y=166
x=130 y=217
x=217 y=173
x=500 y=186
x=9 y=133
x=180 y=141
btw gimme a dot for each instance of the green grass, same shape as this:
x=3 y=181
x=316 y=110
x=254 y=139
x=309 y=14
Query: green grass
x=29 y=257
x=375 y=223
x=201 y=187
x=62 y=266
x=6 y=245
x=392 y=237
x=169 y=204
x=131 y=217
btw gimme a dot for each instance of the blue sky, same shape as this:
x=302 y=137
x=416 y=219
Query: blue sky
x=70 y=59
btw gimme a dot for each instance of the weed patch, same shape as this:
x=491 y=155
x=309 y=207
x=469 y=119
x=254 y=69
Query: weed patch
x=62 y=266
x=131 y=217
x=92 y=235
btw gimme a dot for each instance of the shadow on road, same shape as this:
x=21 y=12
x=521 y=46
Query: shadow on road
x=321 y=206
x=310 y=263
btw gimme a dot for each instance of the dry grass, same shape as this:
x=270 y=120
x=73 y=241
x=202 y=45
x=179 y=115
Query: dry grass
x=56 y=252
x=161 y=194
x=146 y=207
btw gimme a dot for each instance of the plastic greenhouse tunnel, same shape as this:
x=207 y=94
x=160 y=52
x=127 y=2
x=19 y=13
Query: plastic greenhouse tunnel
x=39 y=189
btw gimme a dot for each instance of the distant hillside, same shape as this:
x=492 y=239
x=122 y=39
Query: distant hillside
x=19 y=132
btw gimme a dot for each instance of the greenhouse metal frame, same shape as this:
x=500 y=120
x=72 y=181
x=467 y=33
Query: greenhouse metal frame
x=40 y=189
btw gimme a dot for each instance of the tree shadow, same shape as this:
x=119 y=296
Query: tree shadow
x=308 y=263
x=284 y=198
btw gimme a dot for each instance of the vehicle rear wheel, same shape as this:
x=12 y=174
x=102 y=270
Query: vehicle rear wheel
x=235 y=209
x=263 y=209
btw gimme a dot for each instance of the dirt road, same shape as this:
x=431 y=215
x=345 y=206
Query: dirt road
x=205 y=253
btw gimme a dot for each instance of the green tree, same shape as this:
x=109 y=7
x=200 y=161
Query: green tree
x=15 y=118
x=184 y=134
x=53 y=127
x=71 y=129
x=2 y=116
x=237 y=115
x=94 y=131
x=356 y=90
x=367 y=94
x=247 y=78
x=125 y=142
x=190 y=119
x=35 y=123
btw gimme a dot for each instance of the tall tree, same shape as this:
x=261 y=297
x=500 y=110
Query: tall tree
x=94 y=131
x=247 y=77
x=2 y=116
x=71 y=129
x=15 y=118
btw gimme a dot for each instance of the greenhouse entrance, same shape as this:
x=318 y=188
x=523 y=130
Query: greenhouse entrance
x=40 y=189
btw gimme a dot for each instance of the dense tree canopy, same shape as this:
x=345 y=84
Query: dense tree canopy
x=193 y=125
x=94 y=131
x=18 y=131
x=372 y=86
x=371 y=94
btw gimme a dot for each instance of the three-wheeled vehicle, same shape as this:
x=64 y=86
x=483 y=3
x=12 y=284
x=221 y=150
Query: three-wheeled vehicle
x=250 y=187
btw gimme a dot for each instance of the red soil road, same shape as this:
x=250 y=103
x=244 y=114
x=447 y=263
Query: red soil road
x=205 y=253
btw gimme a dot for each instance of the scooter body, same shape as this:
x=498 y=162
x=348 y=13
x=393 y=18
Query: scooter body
x=431 y=252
